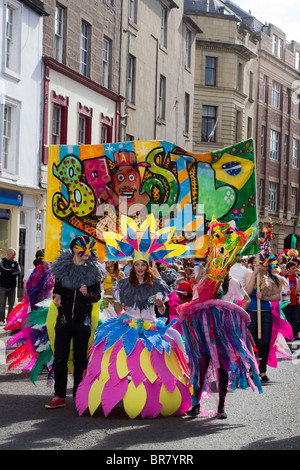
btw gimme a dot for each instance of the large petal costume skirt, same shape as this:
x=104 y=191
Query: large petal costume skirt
x=139 y=362
x=217 y=331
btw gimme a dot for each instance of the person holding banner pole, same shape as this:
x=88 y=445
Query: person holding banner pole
x=263 y=287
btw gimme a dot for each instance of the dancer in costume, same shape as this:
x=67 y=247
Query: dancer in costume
x=77 y=287
x=112 y=276
x=169 y=276
x=215 y=330
x=270 y=288
x=136 y=357
x=31 y=341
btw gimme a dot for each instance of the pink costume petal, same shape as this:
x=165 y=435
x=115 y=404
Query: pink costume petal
x=152 y=406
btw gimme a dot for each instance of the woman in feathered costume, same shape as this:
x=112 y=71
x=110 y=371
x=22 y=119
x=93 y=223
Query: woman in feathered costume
x=135 y=357
x=216 y=331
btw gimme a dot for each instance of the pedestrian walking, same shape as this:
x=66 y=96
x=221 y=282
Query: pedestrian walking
x=9 y=271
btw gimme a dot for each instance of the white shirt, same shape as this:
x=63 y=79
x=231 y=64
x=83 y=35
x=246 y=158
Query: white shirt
x=239 y=272
x=235 y=291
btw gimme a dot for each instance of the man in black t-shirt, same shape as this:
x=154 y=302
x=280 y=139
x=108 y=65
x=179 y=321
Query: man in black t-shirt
x=9 y=271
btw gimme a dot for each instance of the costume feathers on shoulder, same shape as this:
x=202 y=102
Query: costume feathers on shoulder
x=139 y=295
x=72 y=275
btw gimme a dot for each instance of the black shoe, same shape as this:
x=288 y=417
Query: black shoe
x=222 y=414
x=195 y=411
x=264 y=378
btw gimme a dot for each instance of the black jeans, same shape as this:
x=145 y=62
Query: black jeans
x=202 y=367
x=292 y=314
x=6 y=294
x=266 y=333
x=65 y=331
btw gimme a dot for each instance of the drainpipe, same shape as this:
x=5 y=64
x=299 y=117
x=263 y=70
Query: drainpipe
x=155 y=97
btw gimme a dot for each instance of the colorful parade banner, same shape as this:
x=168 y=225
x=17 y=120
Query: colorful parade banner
x=90 y=187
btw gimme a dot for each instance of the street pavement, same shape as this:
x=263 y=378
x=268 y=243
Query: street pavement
x=267 y=421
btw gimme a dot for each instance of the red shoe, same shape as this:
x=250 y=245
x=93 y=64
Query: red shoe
x=56 y=402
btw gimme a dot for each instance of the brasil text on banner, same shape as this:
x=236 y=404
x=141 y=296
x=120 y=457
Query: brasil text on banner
x=91 y=186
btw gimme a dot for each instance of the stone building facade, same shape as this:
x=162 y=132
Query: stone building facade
x=246 y=77
x=157 y=71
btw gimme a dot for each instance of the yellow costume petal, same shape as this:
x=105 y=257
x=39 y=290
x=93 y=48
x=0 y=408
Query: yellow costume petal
x=173 y=366
x=134 y=399
x=170 y=401
x=122 y=368
x=146 y=366
x=104 y=364
x=95 y=395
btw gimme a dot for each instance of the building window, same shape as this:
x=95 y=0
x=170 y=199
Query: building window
x=284 y=198
x=263 y=141
x=59 y=33
x=249 y=128
x=265 y=90
x=240 y=78
x=133 y=10
x=56 y=125
x=106 y=55
x=6 y=135
x=85 y=49
x=12 y=38
x=274 y=145
x=286 y=149
x=274 y=44
x=10 y=127
x=186 y=113
x=106 y=129
x=9 y=35
x=188 y=47
x=273 y=196
x=162 y=98
x=210 y=71
x=131 y=79
x=209 y=119
x=59 y=119
x=280 y=48
x=287 y=101
x=260 y=194
x=85 y=115
x=297 y=65
x=238 y=126
x=276 y=91
x=164 y=26
x=295 y=153
x=294 y=201
x=251 y=86
x=296 y=108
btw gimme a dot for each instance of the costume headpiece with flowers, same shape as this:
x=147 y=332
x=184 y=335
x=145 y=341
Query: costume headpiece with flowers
x=267 y=259
x=142 y=242
x=292 y=253
x=226 y=244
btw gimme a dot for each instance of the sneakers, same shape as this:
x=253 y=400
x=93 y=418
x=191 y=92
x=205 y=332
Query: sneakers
x=56 y=402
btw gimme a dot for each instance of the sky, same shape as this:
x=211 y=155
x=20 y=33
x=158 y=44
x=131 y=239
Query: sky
x=283 y=14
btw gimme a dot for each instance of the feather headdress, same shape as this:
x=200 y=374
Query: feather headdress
x=86 y=245
x=267 y=259
x=142 y=242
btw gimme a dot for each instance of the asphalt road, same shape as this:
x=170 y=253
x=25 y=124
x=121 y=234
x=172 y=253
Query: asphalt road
x=269 y=421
